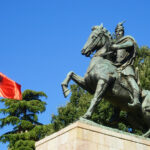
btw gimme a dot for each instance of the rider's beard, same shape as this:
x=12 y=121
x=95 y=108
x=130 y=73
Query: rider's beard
x=119 y=36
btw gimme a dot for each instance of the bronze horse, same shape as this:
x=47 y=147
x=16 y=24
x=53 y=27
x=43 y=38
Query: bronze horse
x=103 y=80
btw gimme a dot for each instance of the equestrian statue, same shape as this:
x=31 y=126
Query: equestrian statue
x=111 y=75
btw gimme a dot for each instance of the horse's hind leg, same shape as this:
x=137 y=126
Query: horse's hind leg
x=147 y=134
x=100 y=90
x=77 y=79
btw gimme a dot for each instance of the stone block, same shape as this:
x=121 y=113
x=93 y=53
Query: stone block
x=85 y=136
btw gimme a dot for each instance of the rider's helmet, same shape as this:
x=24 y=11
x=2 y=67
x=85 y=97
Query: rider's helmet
x=119 y=30
x=120 y=27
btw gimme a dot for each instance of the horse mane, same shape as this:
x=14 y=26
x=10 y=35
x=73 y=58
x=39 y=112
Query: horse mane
x=105 y=31
x=102 y=30
x=107 y=34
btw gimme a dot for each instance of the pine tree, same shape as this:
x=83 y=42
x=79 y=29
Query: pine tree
x=23 y=116
x=143 y=63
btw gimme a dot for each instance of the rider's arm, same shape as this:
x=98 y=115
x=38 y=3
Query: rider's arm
x=125 y=45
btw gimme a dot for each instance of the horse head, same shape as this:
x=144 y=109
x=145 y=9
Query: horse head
x=97 y=39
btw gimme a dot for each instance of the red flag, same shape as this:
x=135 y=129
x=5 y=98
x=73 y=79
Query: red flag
x=9 y=88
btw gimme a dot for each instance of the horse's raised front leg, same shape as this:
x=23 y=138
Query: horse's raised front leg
x=100 y=89
x=77 y=79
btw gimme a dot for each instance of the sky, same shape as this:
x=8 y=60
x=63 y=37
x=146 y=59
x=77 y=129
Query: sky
x=41 y=41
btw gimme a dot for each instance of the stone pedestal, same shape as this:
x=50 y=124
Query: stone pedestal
x=84 y=136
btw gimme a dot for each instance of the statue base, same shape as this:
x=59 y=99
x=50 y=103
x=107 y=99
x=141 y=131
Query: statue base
x=87 y=135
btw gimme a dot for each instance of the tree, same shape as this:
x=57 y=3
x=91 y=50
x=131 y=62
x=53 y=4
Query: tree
x=23 y=116
x=80 y=100
x=143 y=63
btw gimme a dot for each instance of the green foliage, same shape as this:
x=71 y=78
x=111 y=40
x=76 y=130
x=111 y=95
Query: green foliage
x=24 y=145
x=122 y=126
x=143 y=63
x=23 y=115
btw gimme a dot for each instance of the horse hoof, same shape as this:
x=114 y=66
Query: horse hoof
x=83 y=119
x=66 y=91
x=134 y=105
x=86 y=116
x=146 y=135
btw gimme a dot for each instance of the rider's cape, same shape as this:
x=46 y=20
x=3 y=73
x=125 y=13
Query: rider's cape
x=130 y=56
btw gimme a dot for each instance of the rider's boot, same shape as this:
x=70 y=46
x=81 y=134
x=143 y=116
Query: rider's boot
x=136 y=103
x=136 y=93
